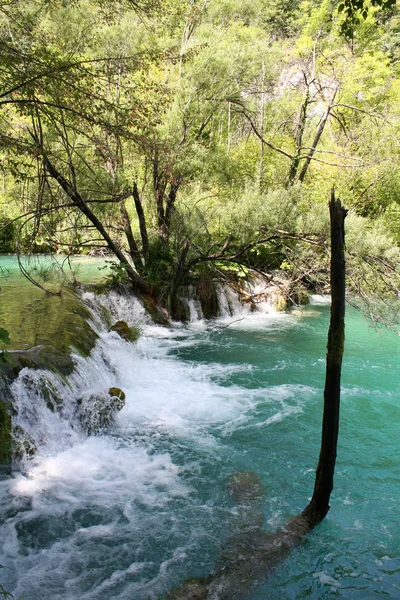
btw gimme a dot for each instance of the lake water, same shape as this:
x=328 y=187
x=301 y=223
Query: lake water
x=134 y=512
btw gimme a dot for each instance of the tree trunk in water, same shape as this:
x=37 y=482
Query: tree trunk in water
x=250 y=555
x=319 y=505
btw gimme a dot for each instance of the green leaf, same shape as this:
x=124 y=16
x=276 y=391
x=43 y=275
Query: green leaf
x=4 y=336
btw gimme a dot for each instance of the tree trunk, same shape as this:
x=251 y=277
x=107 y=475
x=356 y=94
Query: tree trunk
x=301 y=125
x=170 y=206
x=317 y=137
x=133 y=248
x=142 y=222
x=137 y=282
x=319 y=505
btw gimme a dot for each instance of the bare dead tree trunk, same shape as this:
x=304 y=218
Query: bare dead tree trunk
x=317 y=137
x=319 y=504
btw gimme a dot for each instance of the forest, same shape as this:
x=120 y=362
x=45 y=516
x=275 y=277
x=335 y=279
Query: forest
x=169 y=268
x=192 y=141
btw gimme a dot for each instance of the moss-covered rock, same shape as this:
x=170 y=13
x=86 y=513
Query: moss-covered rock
x=23 y=445
x=154 y=310
x=130 y=334
x=192 y=589
x=98 y=411
x=208 y=297
x=77 y=335
x=280 y=303
x=5 y=435
x=300 y=296
x=117 y=393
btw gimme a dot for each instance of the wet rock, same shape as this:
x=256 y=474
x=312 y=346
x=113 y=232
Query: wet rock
x=154 y=311
x=40 y=384
x=192 y=589
x=130 y=334
x=5 y=435
x=208 y=297
x=97 y=412
x=23 y=445
x=246 y=486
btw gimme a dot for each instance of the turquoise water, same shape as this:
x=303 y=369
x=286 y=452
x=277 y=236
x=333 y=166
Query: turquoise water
x=32 y=316
x=355 y=553
x=136 y=511
x=83 y=268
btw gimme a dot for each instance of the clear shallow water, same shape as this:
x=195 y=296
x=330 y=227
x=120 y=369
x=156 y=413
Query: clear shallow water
x=130 y=514
x=31 y=316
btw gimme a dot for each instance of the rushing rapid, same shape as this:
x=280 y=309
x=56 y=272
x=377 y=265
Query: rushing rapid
x=134 y=511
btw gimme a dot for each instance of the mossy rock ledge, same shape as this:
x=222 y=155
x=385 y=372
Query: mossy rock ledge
x=130 y=334
x=98 y=411
x=155 y=312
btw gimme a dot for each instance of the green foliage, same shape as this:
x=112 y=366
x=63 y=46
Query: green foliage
x=211 y=111
x=7 y=236
x=115 y=273
x=355 y=11
x=4 y=336
x=159 y=263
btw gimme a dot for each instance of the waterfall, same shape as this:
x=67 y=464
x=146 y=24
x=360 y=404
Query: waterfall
x=46 y=416
x=257 y=296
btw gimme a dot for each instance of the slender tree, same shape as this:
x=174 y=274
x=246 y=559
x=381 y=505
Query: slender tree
x=250 y=557
x=319 y=505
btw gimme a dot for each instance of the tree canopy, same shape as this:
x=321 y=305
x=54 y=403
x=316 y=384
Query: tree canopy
x=197 y=139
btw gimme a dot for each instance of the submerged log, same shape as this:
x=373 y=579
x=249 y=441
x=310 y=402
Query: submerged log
x=251 y=555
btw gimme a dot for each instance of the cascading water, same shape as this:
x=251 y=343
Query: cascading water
x=135 y=510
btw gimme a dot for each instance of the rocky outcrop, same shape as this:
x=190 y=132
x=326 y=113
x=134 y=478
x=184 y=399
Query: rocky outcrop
x=96 y=412
x=130 y=334
x=5 y=436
